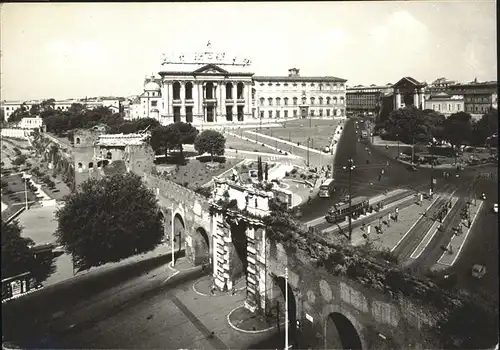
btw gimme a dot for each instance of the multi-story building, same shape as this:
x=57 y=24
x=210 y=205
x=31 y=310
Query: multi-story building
x=31 y=123
x=214 y=88
x=294 y=96
x=480 y=97
x=445 y=104
x=366 y=98
x=439 y=85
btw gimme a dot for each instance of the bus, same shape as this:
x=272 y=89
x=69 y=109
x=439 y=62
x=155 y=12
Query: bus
x=327 y=188
x=339 y=212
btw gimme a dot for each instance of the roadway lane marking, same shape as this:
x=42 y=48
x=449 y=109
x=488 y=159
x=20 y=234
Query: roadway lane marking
x=431 y=233
x=463 y=242
x=414 y=224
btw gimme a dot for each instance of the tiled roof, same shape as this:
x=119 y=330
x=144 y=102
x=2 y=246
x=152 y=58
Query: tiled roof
x=298 y=79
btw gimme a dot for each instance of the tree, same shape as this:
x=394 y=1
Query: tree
x=485 y=127
x=163 y=138
x=186 y=134
x=20 y=113
x=411 y=125
x=35 y=110
x=19 y=160
x=108 y=220
x=458 y=129
x=47 y=105
x=266 y=172
x=210 y=141
x=2 y=116
x=16 y=255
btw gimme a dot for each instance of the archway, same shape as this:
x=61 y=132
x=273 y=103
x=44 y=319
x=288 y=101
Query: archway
x=239 y=253
x=179 y=228
x=201 y=247
x=277 y=307
x=340 y=333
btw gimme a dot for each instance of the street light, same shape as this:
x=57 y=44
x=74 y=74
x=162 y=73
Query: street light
x=350 y=167
x=26 y=177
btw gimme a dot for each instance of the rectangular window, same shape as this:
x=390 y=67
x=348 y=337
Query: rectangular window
x=278 y=102
x=154 y=103
x=240 y=113
x=321 y=112
x=177 y=114
x=270 y=114
x=295 y=113
x=327 y=112
x=285 y=114
x=312 y=112
x=295 y=101
x=277 y=114
x=189 y=114
x=262 y=114
x=229 y=113
x=449 y=107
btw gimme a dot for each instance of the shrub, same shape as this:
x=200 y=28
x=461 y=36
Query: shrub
x=287 y=174
x=17 y=151
x=294 y=170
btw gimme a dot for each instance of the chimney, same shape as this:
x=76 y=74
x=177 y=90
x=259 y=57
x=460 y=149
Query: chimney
x=293 y=72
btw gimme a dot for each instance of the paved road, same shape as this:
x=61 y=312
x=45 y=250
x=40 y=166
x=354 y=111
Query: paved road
x=364 y=179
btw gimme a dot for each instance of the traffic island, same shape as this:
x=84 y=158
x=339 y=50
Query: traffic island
x=205 y=287
x=245 y=321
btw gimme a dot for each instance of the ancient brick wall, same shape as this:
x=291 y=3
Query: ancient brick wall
x=381 y=321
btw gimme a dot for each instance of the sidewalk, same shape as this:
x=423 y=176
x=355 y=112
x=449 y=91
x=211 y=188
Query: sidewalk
x=458 y=241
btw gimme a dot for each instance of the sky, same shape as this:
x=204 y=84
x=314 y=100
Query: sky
x=73 y=50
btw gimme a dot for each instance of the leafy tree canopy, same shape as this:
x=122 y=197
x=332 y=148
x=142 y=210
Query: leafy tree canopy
x=411 y=124
x=109 y=220
x=485 y=127
x=20 y=113
x=185 y=133
x=210 y=141
x=16 y=255
x=458 y=128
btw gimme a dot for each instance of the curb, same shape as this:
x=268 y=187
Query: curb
x=242 y=330
x=213 y=296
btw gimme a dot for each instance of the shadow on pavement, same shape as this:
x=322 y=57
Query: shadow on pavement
x=18 y=315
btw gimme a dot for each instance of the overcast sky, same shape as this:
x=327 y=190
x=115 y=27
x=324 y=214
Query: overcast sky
x=92 y=49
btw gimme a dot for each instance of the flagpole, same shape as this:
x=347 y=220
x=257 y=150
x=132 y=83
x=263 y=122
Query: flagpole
x=286 y=308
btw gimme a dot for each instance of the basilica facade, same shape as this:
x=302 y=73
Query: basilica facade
x=214 y=88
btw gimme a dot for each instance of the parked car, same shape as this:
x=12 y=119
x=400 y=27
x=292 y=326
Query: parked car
x=478 y=271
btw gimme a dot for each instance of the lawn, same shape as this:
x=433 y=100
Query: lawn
x=196 y=172
x=234 y=142
x=298 y=131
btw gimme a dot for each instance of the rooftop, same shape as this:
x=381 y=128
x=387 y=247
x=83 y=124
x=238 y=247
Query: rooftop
x=262 y=78
x=122 y=139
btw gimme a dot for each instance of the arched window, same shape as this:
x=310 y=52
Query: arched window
x=312 y=100
x=270 y=100
x=295 y=101
x=321 y=86
x=77 y=140
x=320 y=101
x=262 y=99
x=328 y=100
x=80 y=165
x=177 y=90
x=240 y=88
x=229 y=91
x=285 y=100
x=91 y=165
x=189 y=91
x=341 y=100
x=335 y=100
x=109 y=155
x=304 y=100
x=278 y=101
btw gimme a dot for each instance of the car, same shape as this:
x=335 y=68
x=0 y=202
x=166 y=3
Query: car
x=495 y=208
x=478 y=271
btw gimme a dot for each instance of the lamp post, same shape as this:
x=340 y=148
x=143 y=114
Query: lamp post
x=26 y=177
x=350 y=167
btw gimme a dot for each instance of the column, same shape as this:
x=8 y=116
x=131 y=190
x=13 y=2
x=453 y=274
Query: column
x=416 y=99
x=235 y=98
x=170 y=98
x=248 y=101
x=398 y=100
x=183 y=100
x=196 y=105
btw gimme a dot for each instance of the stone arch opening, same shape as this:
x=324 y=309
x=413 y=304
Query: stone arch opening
x=77 y=140
x=277 y=307
x=340 y=333
x=91 y=165
x=201 y=247
x=238 y=252
x=179 y=235
x=109 y=155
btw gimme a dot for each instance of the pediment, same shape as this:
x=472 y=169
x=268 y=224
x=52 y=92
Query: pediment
x=211 y=69
x=407 y=82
